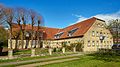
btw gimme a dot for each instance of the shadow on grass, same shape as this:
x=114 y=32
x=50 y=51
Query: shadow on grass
x=107 y=56
x=4 y=53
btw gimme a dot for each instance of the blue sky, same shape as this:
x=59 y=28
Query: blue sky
x=61 y=13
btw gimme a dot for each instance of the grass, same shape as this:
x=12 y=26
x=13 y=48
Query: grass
x=107 y=59
x=36 y=62
x=14 y=65
x=86 y=61
x=98 y=59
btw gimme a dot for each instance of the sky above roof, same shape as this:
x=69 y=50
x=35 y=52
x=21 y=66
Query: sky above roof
x=62 y=13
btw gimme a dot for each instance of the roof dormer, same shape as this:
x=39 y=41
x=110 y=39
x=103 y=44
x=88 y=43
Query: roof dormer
x=72 y=31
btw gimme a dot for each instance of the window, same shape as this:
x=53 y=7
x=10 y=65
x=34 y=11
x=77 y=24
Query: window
x=104 y=33
x=107 y=42
x=102 y=25
x=93 y=33
x=58 y=34
x=104 y=41
x=98 y=24
x=107 y=46
x=89 y=43
x=107 y=35
x=69 y=34
x=97 y=33
x=104 y=45
x=93 y=43
x=72 y=31
x=97 y=43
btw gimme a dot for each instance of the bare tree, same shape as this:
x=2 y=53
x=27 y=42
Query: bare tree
x=32 y=17
x=38 y=30
x=21 y=17
x=16 y=36
x=9 y=19
x=6 y=18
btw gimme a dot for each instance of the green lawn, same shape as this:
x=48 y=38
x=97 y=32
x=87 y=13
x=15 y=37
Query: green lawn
x=86 y=61
x=93 y=60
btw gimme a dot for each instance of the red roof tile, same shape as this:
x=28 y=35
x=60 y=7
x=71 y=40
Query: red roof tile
x=83 y=27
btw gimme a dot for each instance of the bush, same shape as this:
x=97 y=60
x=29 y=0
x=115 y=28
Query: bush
x=42 y=50
x=69 y=48
x=78 y=46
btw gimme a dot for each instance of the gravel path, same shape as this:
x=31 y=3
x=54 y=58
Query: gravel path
x=37 y=60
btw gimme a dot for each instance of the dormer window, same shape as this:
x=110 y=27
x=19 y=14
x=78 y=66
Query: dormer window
x=58 y=34
x=72 y=31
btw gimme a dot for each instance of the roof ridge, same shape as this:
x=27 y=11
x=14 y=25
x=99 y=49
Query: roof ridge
x=81 y=22
x=52 y=28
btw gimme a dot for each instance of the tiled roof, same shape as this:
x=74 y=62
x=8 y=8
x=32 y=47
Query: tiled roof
x=50 y=32
x=83 y=27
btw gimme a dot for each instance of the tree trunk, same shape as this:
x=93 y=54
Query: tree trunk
x=32 y=47
x=38 y=43
x=63 y=49
x=10 y=54
x=10 y=51
x=22 y=39
x=10 y=37
x=16 y=44
x=50 y=51
x=74 y=49
x=32 y=52
x=1 y=48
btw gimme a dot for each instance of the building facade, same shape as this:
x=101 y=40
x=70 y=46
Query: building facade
x=92 y=33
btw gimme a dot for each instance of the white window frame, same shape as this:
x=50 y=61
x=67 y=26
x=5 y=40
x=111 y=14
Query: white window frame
x=93 y=43
x=89 y=43
x=97 y=33
x=97 y=43
x=93 y=33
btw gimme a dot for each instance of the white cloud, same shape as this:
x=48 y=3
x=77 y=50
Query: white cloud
x=108 y=17
x=80 y=18
x=105 y=17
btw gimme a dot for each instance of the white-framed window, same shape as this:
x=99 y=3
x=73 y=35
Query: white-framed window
x=104 y=33
x=69 y=34
x=97 y=33
x=58 y=35
x=98 y=24
x=89 y=43
x=93 y=43
x=105 y=45
x=93 y=33
x=72 y=31
x=97 y=43
x=102 y=25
